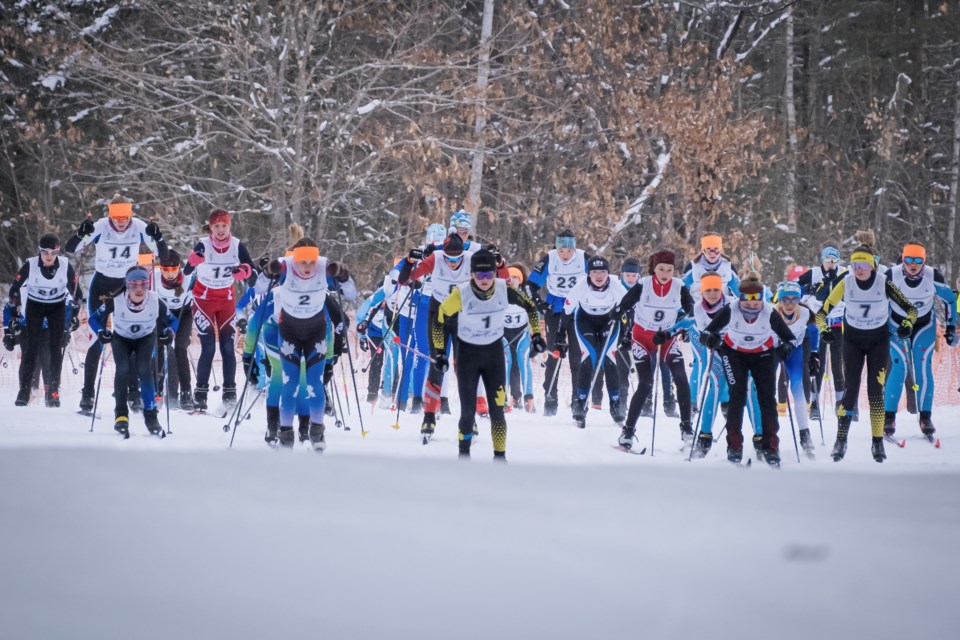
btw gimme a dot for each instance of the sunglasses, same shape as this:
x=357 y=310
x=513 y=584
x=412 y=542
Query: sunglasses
x=713 y=249
x=751 y=296
x=137 y=285
x=831 y=261
x=484 y=275
x=790 y=299
x=913 y=261
x=50 y=252
x=453 y=258
x=862 y=265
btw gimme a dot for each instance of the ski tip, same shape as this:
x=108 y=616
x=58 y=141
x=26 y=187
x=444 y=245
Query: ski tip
x=643 y=451
x=902 y=444
x=749 y=461
x=937 y=443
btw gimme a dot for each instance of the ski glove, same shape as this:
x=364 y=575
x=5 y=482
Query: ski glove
x=905 y=330
x=950 y=335
x=362 y=342
x=440 y=363
x=242 y=325
x=537 y=345
x=195 y=258
x=661 y=336
x=105 y=336
x=813 y=366
x=9 y=342
x=338 y=272
x=827 y=336
x=362 y=327
x=153 y=230
x=75 y=319
x=242 y=271
x=415 y=255
x=251 y=372
x=429 y=249
x=783 y=350
x=710 y=340
x=559 y=348
x=85 y=228
x=165 y=337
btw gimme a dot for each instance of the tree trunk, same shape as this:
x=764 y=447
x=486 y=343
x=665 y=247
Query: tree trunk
x=954 y=180
x=480 y=123
x=791 y=192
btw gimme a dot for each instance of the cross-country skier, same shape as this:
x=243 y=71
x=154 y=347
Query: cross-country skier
x=867 y=297
x=117 y=238
x=141 y=322
x=747 y=347
x=816 y=284
x=804 y=360
x=922 y=285
x=516 y=350
x=478 y=307
x=174 y=290
x=48 y=280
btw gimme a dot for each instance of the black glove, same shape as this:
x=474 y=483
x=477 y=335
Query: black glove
x=783 y=350
x=440 y=362
x=165 y=338
x=626 y=339
x=242 y=325
x=415 y=255
x=250 y=370
x=616 y=312
x=327 y=372
x=710 y=340
x=495 y=252
x=9 y=341
x=559 y=348
x=362 y=342
x=105 y=336
x=262 y=263
x=153 y=230
x=429 y=249
x=543 y=306
x=950 y=335
x=75 y=319
x=827 y=336
x=265 y=363
x=813 y=365
x=416 y=285
x=537 y=344
x=661 y=336
x=905 y=330
x=85 y=228
x=338 y=272
x=362 y=327
x=684 y=336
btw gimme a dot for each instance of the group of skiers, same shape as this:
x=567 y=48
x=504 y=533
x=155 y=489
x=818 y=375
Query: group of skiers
x=455 y=300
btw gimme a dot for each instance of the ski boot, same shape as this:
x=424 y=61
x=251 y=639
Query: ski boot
x=686 y=432
x=371 y=397
x=328 y=408
x=814 y=410
x=806 y=442
x=517 y=403
x=285 y=437
x=428 y=426
x=550 y=407
x=876 y=449
x=670 y=407
x=173 y=400
x=384 y=401
x=135 y=402
x=273 y=425
x=734 y=455
x=482 y=410
x=616 y=411
x=229 y=397
x=647 y=411
x=889 y=423
x=53 y=396
x=317 y=439
x=444 y=406
x=86 y=400
x=122 y=426
x=758 y=446
x=529 y=405
x=723 y=409
x=186 y=400
x=153 y=424
x=840 y=446
x=702 y=447
x=579 y=410
x=926 y=425
x=303 y=428
x=627 y=435
x=782 y=409
x=200 y=399
x=23 y=397
x=416 y=407
x=463 y=446
x=772 y=457
x=500 y=457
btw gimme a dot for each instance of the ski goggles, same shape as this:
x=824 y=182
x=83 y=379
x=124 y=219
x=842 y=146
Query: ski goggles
x=453 y=259
x=912 y=260
x=482 y=276
x=861 y=265
x=170 y=271
x=751 y=296
x=50 y=252
x=789 y=298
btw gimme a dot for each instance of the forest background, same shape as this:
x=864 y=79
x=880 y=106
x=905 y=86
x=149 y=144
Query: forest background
x=782 y=125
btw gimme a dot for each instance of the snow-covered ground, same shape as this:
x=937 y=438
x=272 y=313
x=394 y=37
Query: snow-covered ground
x=384 y=537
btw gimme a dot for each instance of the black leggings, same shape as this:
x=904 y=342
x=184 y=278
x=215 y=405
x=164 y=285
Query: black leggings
x=670 y=357
x=836 y=363
x=872 y=347
x=738 y=367
x=37 y=337
x=552 y=321
x=593 y=332
x=475 y=363
x=100 y=286
x=178 y=377
x=375 y=366
x=129 y=356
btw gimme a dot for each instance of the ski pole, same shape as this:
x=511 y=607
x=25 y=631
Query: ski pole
x=793 y=428
x=703 y=398
x=396 y=340
x=353 y=374
x=655 y=363
x=96 y=396
x=245 y=413
x=246 y=382
x=914 y=387
x=602 y=355
x=166 y=383
x=339 y=408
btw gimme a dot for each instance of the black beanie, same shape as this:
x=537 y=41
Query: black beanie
x=596 y=263
x=483 y=260
x=631 y=265
x=453 y=245
x=50 y=241
x=172 y=259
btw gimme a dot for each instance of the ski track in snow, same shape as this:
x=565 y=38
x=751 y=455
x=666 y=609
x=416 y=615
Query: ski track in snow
x=384 y=537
